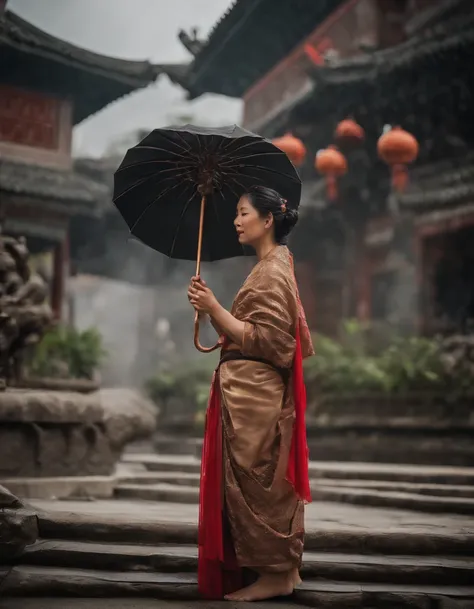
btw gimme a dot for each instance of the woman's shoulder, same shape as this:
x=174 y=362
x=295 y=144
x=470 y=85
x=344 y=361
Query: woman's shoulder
x=279 y=267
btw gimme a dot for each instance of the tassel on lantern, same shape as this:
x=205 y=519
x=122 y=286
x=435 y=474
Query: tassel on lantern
x=331 y=163
x=399 y=178
x=398 y=148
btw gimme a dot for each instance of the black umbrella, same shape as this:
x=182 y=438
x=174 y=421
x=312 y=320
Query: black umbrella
x=178 y=189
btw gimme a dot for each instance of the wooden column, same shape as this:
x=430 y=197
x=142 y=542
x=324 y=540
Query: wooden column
x=60 y=274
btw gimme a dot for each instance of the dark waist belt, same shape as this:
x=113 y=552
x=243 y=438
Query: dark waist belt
x=232 y=356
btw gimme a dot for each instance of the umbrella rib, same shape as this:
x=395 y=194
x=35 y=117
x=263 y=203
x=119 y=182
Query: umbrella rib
x=187 y=148
x=236 y=195
x=176 y=175
x=140 y=163
x=247 y=144
x=251 y=156
x=178 y=154
x=237 y=181
x=283 y=175
x=162 y=194
x=229 y=174
x=184 y=210
x=135 y=185
x=239 y=144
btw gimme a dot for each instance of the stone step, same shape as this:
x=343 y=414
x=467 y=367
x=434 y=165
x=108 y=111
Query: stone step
x=158 y=492
x=61 y=487
x=176 y=478
x=378 y=532
x=327 y=565
x=114 y=528
x=175 y=445
x=130 y=477
x=164 y=463
x=27 y=581
x=46 y=602
x=406 y=501
x=175 y=493
x=392 y=472
x=434 y=490
x=327 y=469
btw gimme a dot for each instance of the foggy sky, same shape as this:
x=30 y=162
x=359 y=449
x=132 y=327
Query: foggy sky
x=133 y=29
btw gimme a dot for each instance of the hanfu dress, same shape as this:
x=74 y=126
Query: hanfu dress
x=254 y=472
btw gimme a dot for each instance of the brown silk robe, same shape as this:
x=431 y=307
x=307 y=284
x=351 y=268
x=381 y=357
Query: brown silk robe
x=265 y=516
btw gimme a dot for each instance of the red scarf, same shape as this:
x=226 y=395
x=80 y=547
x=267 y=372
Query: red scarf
x=218 y=571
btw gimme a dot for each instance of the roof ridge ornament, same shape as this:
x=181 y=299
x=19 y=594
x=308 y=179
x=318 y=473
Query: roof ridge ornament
x=191 y=41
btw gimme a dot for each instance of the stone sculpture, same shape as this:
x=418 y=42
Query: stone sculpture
x=25 y=313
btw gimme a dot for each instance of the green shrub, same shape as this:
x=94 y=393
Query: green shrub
x=413 y=363
x=67 y=352
x=406 y=364
x=189 y=383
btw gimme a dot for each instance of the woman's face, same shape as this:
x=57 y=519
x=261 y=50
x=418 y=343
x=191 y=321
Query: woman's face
x=250 y=227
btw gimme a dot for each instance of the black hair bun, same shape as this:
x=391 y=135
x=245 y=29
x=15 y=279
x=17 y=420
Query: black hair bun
x=287 y=222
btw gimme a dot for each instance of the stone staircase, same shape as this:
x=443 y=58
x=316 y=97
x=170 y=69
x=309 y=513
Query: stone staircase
x=115 y=549
x=143 y=543
x=424 y=488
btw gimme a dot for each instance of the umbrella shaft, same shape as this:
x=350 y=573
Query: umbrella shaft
x=201 y=227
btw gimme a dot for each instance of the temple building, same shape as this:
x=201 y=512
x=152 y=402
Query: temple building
x=47 y=86
x=374 y=253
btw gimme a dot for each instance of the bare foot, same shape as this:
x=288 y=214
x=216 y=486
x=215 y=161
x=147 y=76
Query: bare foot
x=267 y=586
x=296 y=578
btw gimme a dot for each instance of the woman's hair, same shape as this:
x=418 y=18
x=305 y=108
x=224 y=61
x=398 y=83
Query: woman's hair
x=268 y=201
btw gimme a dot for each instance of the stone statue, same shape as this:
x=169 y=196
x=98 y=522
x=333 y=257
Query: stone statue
x=25 y=313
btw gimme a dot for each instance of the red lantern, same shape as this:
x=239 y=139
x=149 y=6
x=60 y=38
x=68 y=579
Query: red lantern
x=398 y=148
x=292 y=147
x=331 y=163
x=349 y=134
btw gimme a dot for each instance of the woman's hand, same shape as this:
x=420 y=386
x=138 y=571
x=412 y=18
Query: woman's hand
x=201 y=297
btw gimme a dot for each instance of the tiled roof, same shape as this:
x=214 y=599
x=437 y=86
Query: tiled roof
x=452 y=34
x=446 y=184
x=54 y=186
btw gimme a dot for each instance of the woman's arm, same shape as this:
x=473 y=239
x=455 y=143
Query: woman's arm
x=204 y=301
x=229 y=325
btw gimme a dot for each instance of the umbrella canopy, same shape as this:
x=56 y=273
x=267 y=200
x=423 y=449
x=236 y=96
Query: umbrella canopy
x=160 y=184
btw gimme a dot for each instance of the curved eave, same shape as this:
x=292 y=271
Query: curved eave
x=91 y=80
x=249 y=41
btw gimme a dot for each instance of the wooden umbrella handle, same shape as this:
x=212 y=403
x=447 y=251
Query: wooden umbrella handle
x=197 y=344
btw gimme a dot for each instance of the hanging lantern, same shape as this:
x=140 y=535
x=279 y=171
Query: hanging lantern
x=292 y=147
x=349 y=134
x=398 y=148
x=331 y=163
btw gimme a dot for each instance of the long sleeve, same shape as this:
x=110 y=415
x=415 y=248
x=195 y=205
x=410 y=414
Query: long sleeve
x=269 y=309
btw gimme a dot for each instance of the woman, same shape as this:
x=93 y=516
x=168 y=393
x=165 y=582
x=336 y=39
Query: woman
x=254 y=478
